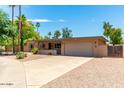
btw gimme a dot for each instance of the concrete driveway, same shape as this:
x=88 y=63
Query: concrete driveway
x=42 y=71
x=12 y=73
x=38 y=72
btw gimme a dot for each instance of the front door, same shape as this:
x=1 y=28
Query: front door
x=58 y=48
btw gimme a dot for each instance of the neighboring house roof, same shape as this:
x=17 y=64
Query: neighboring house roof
x=73 y=38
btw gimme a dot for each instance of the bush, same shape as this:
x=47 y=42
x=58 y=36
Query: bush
x=34 y=50
x=20 y=55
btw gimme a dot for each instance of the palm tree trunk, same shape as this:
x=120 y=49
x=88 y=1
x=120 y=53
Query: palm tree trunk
x=20 y=39
x=12 y=25
x=13 y=45
x=19 y=29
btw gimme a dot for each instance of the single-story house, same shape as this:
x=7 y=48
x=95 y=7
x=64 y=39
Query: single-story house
x=95 y=46
x=31 y=44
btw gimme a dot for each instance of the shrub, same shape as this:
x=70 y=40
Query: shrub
x=20 y=55
x=34 y=50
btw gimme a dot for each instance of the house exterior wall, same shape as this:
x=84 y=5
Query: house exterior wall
x=102 y=51
x=100 y=48
x=27 y=47
x=95 y=46
x=48 y=52
x=47 y=44
x=63 y=48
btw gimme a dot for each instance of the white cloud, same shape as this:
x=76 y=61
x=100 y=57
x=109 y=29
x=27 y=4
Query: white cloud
x=40 y=20
x=45 y=20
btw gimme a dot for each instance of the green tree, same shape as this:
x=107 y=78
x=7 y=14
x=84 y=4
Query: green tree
x=107 y=29
x=49 y=35
x=28 y=30
x=4 y=23
x=13 y=32
x=57 y=34
x=5 y=42
x=66 y=33
x=37 y=26
x=7 y=30
x=116 y=36
x=113 y=34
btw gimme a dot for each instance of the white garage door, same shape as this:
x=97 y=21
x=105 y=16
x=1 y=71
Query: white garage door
x=78 y=49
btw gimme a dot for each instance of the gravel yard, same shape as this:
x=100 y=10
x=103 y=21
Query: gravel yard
x=98 y=73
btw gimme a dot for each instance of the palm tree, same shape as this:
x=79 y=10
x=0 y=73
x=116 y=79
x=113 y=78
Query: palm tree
x=57 y=34
x=66 y=33
x=20 y=41
x=13 y=37
x=49 y=34
x=25 y=25
x=37 y=25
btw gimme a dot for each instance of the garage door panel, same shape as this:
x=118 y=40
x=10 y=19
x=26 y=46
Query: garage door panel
x=78 y=49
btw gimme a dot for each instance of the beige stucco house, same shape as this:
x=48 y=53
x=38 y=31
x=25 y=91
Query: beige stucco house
x=81 y=46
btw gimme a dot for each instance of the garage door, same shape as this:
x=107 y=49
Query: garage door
x=78 y=49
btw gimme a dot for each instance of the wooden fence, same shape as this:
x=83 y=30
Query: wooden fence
x=115 y=51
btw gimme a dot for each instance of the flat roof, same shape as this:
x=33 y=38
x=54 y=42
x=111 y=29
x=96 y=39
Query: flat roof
x=90 y=37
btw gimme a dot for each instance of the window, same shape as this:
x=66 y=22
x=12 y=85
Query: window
x=31 y=46
x=57 y=45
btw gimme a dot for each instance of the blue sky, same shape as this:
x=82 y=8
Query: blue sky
x=82 y=20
